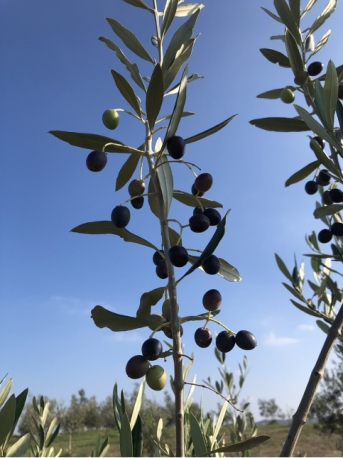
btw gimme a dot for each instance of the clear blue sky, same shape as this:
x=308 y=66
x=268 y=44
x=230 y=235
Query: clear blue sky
x=56 y=75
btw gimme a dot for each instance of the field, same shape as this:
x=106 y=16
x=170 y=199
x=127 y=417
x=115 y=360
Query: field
x=311 y=442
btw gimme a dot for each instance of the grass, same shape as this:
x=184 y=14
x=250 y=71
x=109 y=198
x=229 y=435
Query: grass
x=311 y=442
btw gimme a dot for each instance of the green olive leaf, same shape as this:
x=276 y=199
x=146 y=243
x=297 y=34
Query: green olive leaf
x=283 y=268
x=126 y=91
x=279 y=124
x=127 y=170
x=210 y=248
x=165 y=178
x=126 y=446
x=293 y=52
x=154 y=96
x=188 y=9
x=208 y=132
x=193 y=201
x=129 y=39
x=152 y=200
x=288 y=19
x=304 y=309
x=168 y=15
x=320 y=44
x=307 y=8
x=319 y=101
x=132 y=68
x=174 y=237
x=175 y=88
x=327 y=210
x=302 y=173
x=147 y=300
x=246 y=444
x=107 y=227
x=273 y=94
x=197 y=436
x=275 y=57
x=272 y=15
x=180 y=37
x=7 y=416
x=323 y=158
x=330 y=94
x=103 y=318
x=139 y=4
x=180 y=58
x=295 y=9
x=323 y=326
x=178 y=109
x=325 y=14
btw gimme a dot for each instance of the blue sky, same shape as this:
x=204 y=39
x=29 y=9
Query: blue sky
x=56 y=76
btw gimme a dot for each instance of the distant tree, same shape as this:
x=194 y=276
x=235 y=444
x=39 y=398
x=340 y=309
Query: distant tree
x=106 y=413
x=269 y=409
x=92 y=414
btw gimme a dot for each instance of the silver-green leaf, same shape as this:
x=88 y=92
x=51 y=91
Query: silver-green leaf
x=302 y=173
x=126 y=91
x=154 y=96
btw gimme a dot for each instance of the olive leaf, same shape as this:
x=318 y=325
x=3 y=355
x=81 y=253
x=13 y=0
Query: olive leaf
x=208 y=132
x=184 y=114
x=275 y=57
x=139 y=4
x=330 y=95
x=107 y=227
x=288 y=19
x=323 y=326
x=152 y=200
x=103 y=318
x=228 y=272
x=129 y=39
x=307 y=8
x=165 y=178
x=325 y=14
x=273 y=94
x=327 y=210
x=125 y=440
x=302 y=173
x=304 y=309
x=127 y=170
x=293 y=54
x=180 y=58
x=180 y=37
x=174 y=237
x=210 y=247
x=246 y=444
x=279 y=124
x=324 y=158
x=295 y=9
x=126 y=91
x=283 y=268
x=319 y=100
x=188 y=9
x=132 y=68
x=147 y=300
x=154 y=96
x=320 y=44
x=197 y=436
x=339 y=111
x=272 y=15
x=178 y=109
x=191 y=78
x=193 y=201
x=168 y=15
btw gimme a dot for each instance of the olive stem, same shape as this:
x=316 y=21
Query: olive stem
x=221 y=324
x=135 y=197
x=215 y=391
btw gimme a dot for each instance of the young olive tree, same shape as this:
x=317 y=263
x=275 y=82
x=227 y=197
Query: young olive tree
x=324 y=121
x=152 y=165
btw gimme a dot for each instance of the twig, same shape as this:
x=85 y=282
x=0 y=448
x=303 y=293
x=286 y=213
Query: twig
x=299 y=418
x=215 y=391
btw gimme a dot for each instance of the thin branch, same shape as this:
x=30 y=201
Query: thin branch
x=215 y=391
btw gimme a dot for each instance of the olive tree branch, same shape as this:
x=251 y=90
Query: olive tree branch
x=215 y=391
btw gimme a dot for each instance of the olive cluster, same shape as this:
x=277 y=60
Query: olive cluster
x=329 y=197
x=139 y=365
x=225 y=340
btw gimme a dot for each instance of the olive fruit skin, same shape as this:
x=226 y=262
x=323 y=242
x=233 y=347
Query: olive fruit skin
x=157 y=259
x=199 y=223
x=323 y=178
x=311 y=187
x=213 y=215
x=162 y=271
x=176 y=147
x=137 y=202
x=203 y=182
x=198 y=211
x=337 y=229
x=96 y=161
x=324 y=236
x=225 y=341
x=137 y=367
x=336 y=195
x=151 y=349
x=178 y=255
x=166 y=309
x=110 y=119
x=320 y=141
x=203 y=337
x=211 y=265
x=168 y=332
x=136 y=187
x=156 y=378
x=195 y=192
x=120 y=216
x=315 y=68
x=245 y=340
x=301 y=78
x=212 y=299
x=326 y=198
x=287 y=95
